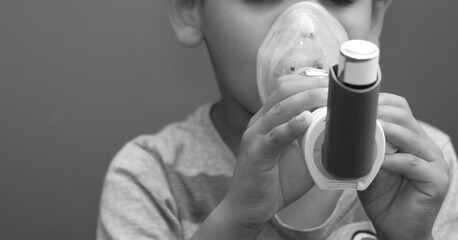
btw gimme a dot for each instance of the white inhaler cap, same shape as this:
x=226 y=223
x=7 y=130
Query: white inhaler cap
x=358 y=63
x=305 y=35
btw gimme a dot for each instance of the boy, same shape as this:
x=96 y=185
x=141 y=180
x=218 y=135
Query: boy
x=219 y=175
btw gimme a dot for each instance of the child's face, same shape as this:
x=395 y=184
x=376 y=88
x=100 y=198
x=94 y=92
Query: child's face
x=234 y=30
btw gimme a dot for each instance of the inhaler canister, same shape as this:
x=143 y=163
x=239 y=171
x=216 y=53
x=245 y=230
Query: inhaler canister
x=358 y=63
x=354 y=85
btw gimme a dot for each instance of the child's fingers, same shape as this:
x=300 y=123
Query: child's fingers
x=263 y=150
x=432 y=175
x=290 y=107
x=393 y=100
x=399 y=116
x=408 y=141
x=283 y=135
x=408 y=165
x=290 y=85
x=405 y=119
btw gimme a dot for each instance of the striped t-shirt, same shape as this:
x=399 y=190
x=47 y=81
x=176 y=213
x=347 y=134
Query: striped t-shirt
x=163 y=186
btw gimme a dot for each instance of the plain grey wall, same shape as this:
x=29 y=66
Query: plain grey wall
x=80 y=78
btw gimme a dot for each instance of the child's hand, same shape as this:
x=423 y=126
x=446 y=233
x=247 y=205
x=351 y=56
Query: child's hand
x=261 y=184
x=406 y=196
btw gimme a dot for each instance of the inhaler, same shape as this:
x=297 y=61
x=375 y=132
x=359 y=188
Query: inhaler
x=344 y=145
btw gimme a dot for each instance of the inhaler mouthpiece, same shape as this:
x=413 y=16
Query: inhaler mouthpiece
x=304 y=36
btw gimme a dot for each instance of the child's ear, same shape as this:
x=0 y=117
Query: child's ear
x=379 y=8
x=185 y=19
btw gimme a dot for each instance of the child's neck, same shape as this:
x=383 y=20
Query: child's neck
x=230 y=120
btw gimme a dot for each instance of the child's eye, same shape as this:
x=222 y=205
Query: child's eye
x=336 y=2
x=341 y=2
x=262 y=4
x=261 y=1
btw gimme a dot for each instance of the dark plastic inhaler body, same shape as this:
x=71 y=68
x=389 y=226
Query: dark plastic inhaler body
x=349 y=146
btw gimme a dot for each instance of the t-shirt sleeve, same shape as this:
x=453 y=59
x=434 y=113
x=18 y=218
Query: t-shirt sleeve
x=136 y=201
x=446 y=225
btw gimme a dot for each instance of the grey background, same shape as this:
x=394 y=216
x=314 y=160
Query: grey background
x=80 y=78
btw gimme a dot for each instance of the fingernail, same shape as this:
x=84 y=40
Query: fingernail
x=301 y=117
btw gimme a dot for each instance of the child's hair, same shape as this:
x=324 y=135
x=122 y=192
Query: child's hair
x=201 y=2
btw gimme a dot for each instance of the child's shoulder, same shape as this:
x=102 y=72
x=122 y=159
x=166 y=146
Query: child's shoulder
x=437 y=135
x=192 y=145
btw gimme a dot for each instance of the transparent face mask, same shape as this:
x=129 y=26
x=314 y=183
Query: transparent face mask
x=304 y=36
